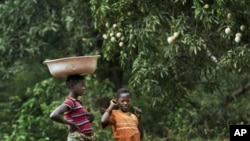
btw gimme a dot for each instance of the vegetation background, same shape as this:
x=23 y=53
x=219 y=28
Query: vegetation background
x=186 y=62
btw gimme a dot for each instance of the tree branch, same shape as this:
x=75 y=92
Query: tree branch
x=235 y=94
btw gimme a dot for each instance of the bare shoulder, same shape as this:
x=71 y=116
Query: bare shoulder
x=62 y=108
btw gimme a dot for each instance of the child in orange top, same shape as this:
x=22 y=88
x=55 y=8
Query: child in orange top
x=126 y=126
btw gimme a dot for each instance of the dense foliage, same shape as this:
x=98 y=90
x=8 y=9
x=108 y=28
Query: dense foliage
x=186 y=62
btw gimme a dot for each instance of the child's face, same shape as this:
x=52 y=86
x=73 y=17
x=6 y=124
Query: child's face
x=124 y=101
x=79 y=88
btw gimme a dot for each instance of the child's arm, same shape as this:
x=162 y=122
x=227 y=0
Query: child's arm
x=140 y=127
x=138 y=113
x=106 y=114
x=57 y=115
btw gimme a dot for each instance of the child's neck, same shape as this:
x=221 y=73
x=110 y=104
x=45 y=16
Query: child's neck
x=73 y=95
x=124 y=111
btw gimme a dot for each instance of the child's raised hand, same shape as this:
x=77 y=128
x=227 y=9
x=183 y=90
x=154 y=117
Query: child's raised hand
x=113 y=102
x=138 y=111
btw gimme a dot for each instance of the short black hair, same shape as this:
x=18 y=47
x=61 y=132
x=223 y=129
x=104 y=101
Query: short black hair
x=73 y=79
x=122 y=90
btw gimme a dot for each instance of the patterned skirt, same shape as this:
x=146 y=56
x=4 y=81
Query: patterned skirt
x=76 y=136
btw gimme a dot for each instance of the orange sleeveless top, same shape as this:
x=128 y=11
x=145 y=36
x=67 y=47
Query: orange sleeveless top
x=124 y=126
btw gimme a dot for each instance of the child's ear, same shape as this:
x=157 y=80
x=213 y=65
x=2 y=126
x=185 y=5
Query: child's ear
x=71 y=86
